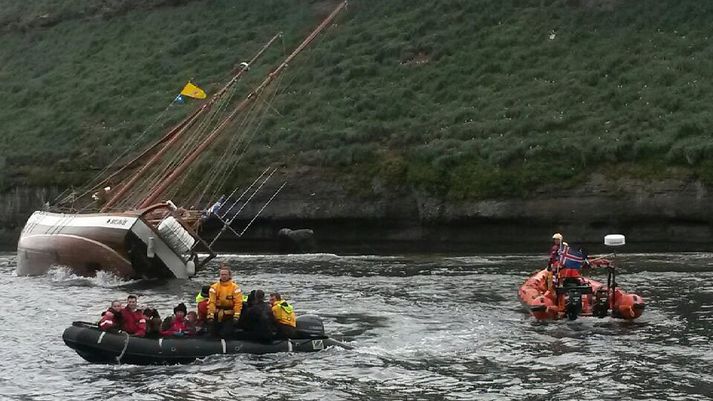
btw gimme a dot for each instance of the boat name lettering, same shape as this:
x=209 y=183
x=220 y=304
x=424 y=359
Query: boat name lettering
x=119 y=221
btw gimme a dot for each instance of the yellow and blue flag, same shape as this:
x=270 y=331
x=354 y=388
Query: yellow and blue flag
x=193 y=91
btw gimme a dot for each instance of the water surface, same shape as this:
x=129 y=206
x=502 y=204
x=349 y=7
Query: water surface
x=423 y=328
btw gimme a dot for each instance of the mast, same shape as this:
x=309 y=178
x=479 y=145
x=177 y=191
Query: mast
x=170 y=179
x=176 y=133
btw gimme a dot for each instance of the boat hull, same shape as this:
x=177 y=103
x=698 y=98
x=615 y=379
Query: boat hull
x=97 y=346
x=544 y=304
x=87 y=243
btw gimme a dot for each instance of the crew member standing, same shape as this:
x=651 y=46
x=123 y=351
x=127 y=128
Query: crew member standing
x=225 y=302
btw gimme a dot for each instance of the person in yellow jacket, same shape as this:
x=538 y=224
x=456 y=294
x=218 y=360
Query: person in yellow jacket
x=284 y=316
x=225 y=301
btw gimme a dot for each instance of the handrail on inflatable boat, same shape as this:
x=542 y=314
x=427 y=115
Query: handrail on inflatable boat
x=332 y=341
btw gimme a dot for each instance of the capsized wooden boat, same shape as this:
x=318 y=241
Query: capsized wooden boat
x=126 y=220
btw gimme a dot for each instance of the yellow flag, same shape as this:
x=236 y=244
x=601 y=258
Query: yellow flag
x=193 y=91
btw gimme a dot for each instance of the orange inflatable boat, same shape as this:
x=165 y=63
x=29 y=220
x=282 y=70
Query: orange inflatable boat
x=578 y=296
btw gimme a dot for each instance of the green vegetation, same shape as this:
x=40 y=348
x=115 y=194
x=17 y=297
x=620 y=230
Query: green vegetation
x=464 y=99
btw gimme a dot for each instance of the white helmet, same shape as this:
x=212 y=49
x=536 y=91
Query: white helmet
x=557 y=236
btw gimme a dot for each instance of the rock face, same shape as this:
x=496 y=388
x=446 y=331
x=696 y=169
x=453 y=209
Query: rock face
x=16 y=206
x=665 y=212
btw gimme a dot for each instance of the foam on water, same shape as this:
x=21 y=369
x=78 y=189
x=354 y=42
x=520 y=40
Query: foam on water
x=64 y=274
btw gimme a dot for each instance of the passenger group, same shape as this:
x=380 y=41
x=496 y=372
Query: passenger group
x=222 y=310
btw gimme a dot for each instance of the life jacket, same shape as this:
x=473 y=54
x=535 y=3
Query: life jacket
x=225 y=300
x=133 y=322
x=110 y=319
x=177 y=326
x=203 y=310
x=284 y=313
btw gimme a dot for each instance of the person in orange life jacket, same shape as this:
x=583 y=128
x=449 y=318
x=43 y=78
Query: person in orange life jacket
x=225 y=303
x=202 y=300
x=111 y=318
x=132 y=319
x=259 y=322
x=177 y=323
x=284 y=316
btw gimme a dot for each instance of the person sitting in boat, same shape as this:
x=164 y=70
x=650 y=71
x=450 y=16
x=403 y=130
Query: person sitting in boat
x=111 y=318
x=132 y=319
x=284 y=315
x=248 y=301
x=176 y=325
x=259 y=322
x=202 y=299
x=193 y=327
x=153 y=322
x=225 y=302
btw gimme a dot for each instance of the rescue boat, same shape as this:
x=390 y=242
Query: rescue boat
x=98 y=346
x=547 y=298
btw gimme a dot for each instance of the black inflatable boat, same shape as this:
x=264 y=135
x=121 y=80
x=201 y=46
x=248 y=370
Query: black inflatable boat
x=98 y=346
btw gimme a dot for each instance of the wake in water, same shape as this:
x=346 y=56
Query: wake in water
x=64 y=275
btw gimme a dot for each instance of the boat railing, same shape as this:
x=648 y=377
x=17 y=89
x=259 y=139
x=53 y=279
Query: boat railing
x=153 y=217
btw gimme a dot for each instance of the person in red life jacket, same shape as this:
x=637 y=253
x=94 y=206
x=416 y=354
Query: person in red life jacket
x=111 y=318
x=202 y=300
x=132 y=319
x=177 y=323
x=553 y=264
x=555 y=250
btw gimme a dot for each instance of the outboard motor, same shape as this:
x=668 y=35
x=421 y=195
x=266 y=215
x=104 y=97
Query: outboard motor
x=600 y=308
x=574 y=290
x=309 y=326
x=573 y=304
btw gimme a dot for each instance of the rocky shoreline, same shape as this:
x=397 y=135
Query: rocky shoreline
x=669 y=215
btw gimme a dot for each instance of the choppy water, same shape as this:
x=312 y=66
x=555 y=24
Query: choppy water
x=426 y=328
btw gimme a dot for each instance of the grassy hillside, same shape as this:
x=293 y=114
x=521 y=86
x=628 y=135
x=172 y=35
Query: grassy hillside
x=465 y=99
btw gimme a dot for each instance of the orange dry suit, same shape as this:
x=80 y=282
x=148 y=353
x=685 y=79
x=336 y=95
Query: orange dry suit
x=284 y=313
x=225 y=300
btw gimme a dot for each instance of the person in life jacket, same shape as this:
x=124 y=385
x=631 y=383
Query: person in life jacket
x=177 y=324
x=225 y=302
x=553 y=263
x=284 y=315
x=132 y=319
x=111 y=318
x=202 y=299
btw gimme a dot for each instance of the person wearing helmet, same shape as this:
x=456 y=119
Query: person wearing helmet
x=557 y=245
x=553 y=263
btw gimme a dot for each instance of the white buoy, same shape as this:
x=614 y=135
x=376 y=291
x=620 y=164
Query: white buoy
x=191 y=268
x=614 y=240
x=151 y=247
